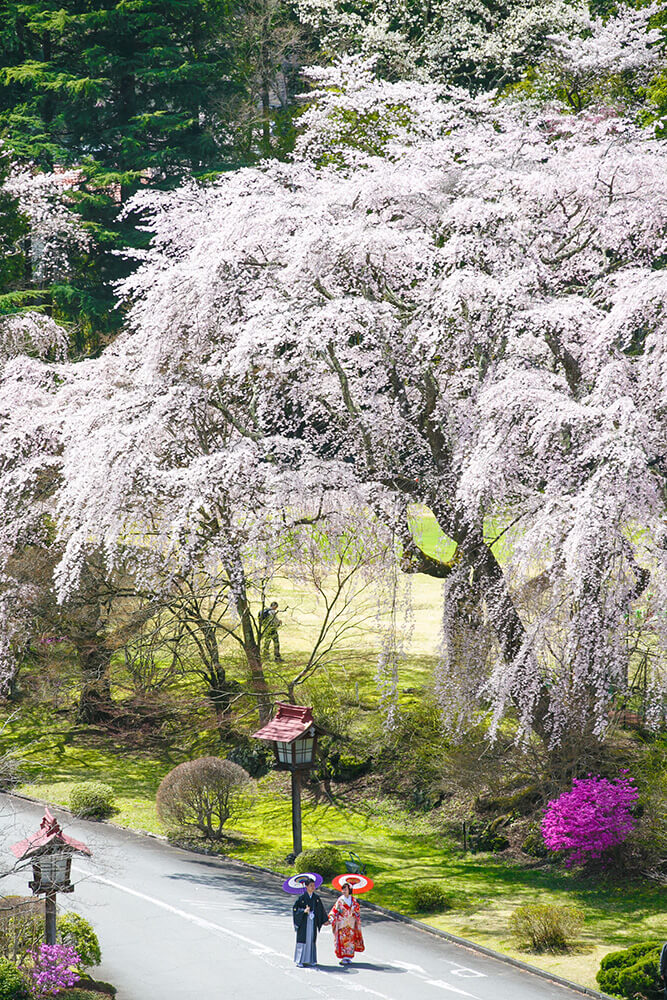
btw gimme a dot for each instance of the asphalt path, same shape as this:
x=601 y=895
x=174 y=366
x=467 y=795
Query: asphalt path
x=179 y=926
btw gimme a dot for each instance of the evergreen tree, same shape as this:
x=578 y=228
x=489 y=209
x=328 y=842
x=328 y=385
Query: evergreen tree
x=13 y=227
x=132 y=92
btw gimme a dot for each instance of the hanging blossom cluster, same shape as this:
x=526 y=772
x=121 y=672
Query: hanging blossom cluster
x=31 y=333
x=624 y=43
x=607 y=63
x=462 y=310
x=595 y=816
x=470 y=44
x=55 y=230
x=30 y=442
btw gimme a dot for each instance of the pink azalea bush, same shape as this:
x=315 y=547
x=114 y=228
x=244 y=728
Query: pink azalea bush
x=51 y=970
x=591 y=818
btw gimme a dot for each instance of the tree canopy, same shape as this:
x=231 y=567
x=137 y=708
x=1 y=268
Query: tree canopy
x=130 y=95
x=442 y=298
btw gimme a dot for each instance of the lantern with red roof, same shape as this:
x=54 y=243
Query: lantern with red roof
x=50 y=852
x=293 y=735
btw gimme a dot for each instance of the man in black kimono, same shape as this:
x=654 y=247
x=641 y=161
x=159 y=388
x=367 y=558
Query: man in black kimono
x=309 y=915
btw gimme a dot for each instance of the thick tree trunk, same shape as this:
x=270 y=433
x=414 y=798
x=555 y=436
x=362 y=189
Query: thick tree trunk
x=95 y=703
x=259 y=687
x=487 y=585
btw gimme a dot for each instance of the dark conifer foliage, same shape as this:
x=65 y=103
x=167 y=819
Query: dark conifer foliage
x=13 y=228
x=135 y=92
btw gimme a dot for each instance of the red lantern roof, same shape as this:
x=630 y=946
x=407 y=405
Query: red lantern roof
x=47 y=837
x=289 y=722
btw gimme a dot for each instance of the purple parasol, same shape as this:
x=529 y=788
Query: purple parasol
x=297 y=883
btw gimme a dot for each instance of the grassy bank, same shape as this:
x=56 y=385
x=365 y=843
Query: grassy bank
x=400 y=848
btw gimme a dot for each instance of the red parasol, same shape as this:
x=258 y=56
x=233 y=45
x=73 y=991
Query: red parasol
x=357 y=883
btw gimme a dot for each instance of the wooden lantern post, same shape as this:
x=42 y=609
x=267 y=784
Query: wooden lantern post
x=50 y=852
x=293 y=737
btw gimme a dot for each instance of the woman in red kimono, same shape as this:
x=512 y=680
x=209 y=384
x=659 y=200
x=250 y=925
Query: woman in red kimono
x=345 y=919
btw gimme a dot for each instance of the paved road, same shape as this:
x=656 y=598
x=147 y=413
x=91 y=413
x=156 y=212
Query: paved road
x=177 y=926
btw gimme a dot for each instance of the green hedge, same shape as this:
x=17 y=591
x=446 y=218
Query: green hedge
x=12 y=984
x=326 y=861
x=92 y=799
x=632 y=972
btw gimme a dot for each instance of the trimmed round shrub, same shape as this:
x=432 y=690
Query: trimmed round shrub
x=12 y=984
x=78 y=933
x=631 y=972
x=202 y=795
x=326 y=861
x=546 y=927
x=430 y=897
x=92 y=800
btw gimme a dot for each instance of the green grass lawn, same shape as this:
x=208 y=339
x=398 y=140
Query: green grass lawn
x=400 y=848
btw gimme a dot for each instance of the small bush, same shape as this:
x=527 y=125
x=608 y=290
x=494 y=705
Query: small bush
x=10 y=772
x=326 y=861
x=52 y=969
x=430 y=897
x=347 y=765
x=12 y=984
x=255 y=760
x=92 y=799
x=545 y=927
x=533 y=844
x=78 y=933
x=492 y=837
x=633 y=972
x=21 y=926
x=202 y=795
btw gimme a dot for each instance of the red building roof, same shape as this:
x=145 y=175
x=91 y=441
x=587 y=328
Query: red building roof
x=49 y=836
x=289 y=722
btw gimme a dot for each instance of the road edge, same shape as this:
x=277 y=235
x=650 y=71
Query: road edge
x=392 y=914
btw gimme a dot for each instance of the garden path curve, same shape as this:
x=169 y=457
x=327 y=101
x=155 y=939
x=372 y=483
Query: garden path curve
x=180 y=926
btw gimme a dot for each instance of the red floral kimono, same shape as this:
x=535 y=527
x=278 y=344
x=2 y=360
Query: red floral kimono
x=345 y=919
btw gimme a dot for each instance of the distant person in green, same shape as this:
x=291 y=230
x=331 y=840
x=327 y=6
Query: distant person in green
x=270 y=623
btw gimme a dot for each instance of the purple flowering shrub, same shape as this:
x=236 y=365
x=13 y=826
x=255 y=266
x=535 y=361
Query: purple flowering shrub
x=51 y=970
x=591 y=818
